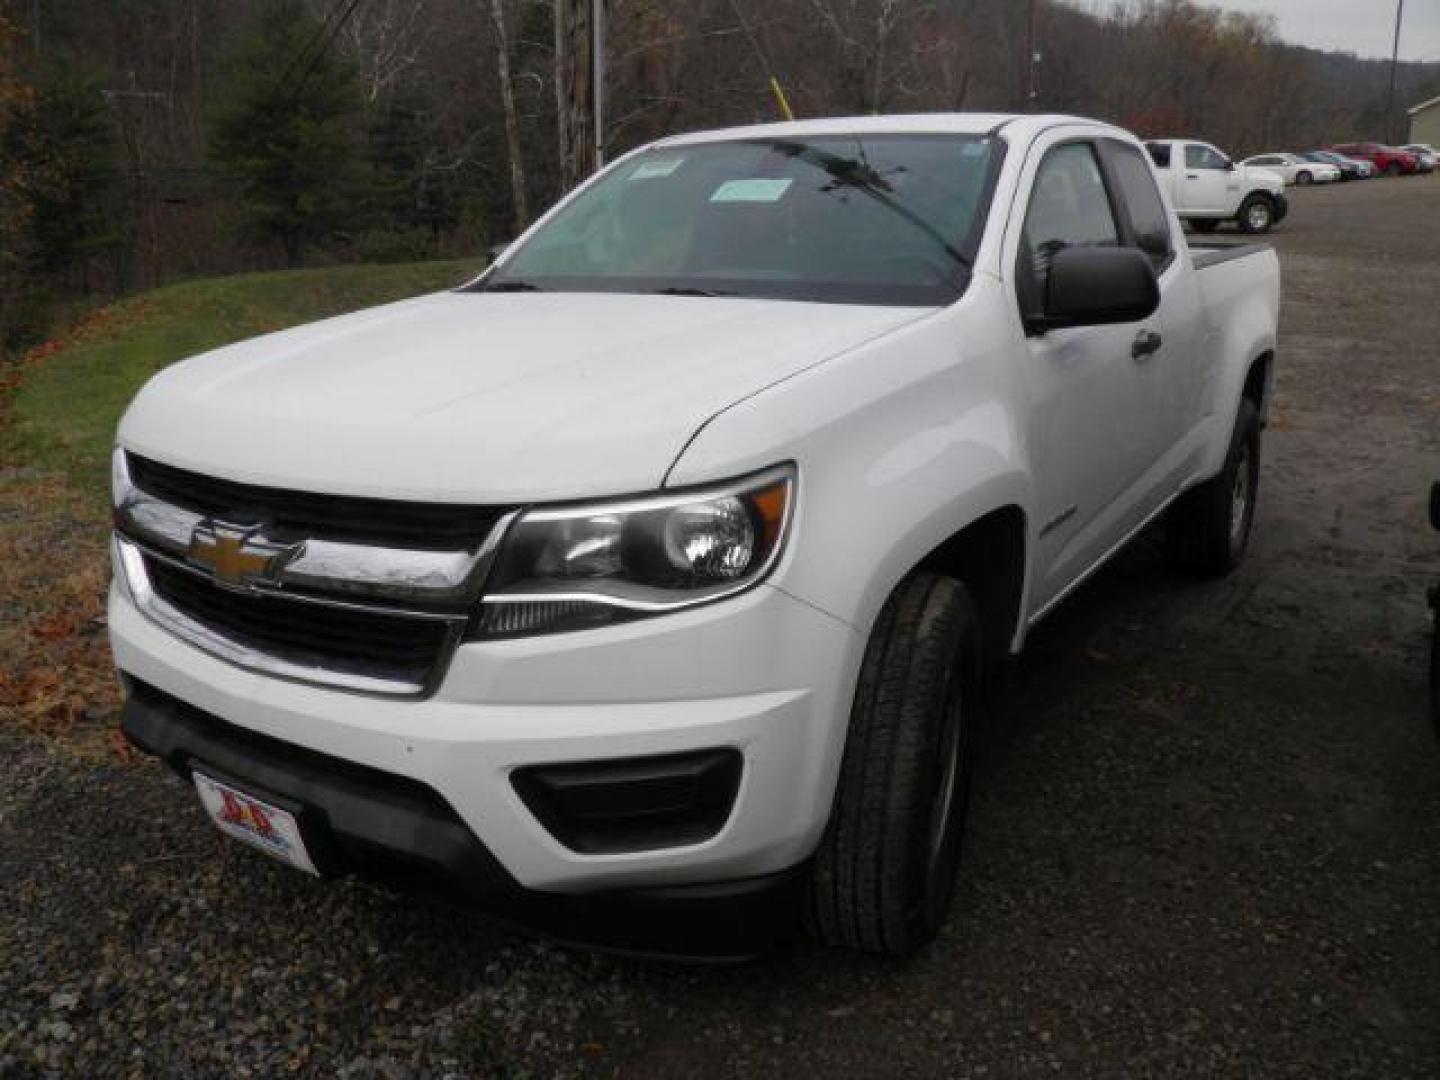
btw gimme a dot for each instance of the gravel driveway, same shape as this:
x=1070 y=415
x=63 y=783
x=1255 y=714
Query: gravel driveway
x=1206 y=839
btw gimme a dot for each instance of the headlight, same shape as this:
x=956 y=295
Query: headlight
x=568 y=568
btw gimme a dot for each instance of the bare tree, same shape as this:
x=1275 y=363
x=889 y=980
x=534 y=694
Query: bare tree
x=385 y=39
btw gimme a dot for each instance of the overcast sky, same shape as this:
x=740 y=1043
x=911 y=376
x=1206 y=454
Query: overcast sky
x=1364 y=27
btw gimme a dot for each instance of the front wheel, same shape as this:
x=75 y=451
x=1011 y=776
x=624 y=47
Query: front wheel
x=1208 y=528
x=884 y=872
x=1304 y=178
x=1394 y=169
x=1257 y=214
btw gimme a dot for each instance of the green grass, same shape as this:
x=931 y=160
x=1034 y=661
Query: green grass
x=63 y=415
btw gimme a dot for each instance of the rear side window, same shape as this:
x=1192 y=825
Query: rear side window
x=1159 y=153
x=1149 y=223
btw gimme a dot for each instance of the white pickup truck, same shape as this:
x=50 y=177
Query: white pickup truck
x=641 y=588
x=1208 y=189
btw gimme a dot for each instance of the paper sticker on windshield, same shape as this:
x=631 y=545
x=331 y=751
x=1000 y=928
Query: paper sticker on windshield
x=758 y=189
x=656 y=168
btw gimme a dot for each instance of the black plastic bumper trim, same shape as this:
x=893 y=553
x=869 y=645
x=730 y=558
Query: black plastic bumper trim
x=400 y=832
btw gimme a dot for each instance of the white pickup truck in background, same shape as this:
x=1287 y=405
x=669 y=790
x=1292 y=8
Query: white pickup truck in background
x=641 y=588
x=1207 y=189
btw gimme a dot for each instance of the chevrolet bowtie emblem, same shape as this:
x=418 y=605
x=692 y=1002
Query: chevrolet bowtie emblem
x=236 y=556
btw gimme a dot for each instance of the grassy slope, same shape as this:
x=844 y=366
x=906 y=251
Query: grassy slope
x=63 y=416
x=57 y=416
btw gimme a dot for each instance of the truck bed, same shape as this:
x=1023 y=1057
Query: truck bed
x=1204 y=256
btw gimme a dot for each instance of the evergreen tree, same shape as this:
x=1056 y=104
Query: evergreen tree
x=64 y=207
x=280 y=132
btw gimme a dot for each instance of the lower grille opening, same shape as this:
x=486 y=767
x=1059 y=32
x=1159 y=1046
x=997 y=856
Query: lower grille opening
x=380 y=645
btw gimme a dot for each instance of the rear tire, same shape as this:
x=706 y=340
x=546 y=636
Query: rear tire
x=1257 y=214
x=1304 y=179
x=1208 y=528
x=1394 y=169
x=882 y=877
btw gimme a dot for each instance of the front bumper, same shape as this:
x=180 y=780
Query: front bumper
x=398 y=831
x=762 y=673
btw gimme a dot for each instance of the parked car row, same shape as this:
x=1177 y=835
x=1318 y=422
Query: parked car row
x=1392 y=160
x=1297 y=169
x=1209 y=189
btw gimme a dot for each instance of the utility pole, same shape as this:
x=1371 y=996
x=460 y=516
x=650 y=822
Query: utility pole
x=579 y=88
x=1031 y=93
x=1394 y=70
x=597 y=67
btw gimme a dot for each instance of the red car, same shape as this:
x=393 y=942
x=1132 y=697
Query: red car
x=1388 y=160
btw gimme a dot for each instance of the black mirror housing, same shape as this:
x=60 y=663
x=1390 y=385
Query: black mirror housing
x=1098 y=286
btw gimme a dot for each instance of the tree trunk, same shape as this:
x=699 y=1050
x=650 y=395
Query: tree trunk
x=574 y=105
x=518 y=201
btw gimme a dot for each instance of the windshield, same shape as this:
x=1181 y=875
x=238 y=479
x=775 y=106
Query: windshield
x=875 y=219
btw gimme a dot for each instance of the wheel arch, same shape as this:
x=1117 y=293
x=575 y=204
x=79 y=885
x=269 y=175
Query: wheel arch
x=989 y=557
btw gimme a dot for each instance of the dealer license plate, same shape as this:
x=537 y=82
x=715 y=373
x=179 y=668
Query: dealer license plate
x=254 y=821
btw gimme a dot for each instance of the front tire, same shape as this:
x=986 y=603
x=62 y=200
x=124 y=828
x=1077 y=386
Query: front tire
x=1304 y=179
x=1208 y=528
x=882 y=877
x=1257 y=214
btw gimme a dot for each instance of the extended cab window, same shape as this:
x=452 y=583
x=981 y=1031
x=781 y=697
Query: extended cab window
x=872 y=219
x=1159 y=153
x=1149 y=224
x=1204 y=157
x=1069 y=207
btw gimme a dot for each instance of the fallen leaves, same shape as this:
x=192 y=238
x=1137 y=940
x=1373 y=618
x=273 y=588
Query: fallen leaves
x=56 y=677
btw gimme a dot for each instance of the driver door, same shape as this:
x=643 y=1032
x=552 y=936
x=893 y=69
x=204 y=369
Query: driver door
x=1093 y=424
x=1207 y=181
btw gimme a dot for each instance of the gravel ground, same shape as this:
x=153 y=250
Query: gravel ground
x=1206 y=838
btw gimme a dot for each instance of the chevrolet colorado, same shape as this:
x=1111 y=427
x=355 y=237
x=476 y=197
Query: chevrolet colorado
x=640 y=589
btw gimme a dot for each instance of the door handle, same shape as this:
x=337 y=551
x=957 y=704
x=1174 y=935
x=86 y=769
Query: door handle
x=1147 y=342
x=1192 y=176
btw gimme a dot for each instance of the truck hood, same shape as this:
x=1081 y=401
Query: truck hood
x=1256 y=176
x=485 y=397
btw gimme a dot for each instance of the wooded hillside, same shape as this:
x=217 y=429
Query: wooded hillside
x=153 y=140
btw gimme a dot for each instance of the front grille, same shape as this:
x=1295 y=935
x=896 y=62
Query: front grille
x=391 y=522
x=381 y=645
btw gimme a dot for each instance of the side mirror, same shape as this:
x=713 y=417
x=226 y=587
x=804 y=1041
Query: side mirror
x=1098 y=286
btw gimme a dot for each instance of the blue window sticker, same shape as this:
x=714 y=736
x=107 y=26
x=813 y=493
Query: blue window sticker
x=655 y=168
x=755 y=189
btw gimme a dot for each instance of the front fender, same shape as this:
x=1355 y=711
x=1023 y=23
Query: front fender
x=900 y=444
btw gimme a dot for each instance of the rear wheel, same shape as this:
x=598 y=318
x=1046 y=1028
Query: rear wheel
x=1394 y=169
x=1257 y=214
x=882 y=878
x=1208 y=528
x=1303 y=178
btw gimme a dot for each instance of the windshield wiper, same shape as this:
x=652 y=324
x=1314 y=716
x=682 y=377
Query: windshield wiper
x=860 y=176
x=687 y=290
x=514 y=286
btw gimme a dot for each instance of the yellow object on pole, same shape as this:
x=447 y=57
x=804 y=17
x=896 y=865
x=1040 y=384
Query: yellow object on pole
x=780 y=98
